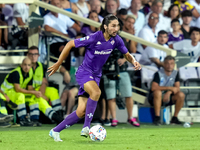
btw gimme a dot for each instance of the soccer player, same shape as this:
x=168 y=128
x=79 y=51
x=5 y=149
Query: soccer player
x=98 y=48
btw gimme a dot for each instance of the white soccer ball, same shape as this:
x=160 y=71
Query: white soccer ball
x=97 y=133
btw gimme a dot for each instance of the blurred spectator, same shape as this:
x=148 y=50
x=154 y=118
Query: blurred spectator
x=124 y=4
x=19 y=35
x=176 y=35
x=122 y=14
x=145 y=9
x=140 y=19
x=7 y=10
x=165 y=90
x=196 y=4
x=17 y=86
x=129 y=28
x=121 y=79
x=184 y=5
x=95 y=5
x=111 y=7
x=58 y=23
x=83 y=8
x=69 y=6
x=87 y=29
x=150 y=29
x=173 y=13
x=187 y=18
x=191 y=47
x=153 y=56
x=3 y=31
x=44 y=11
x=40 y=82
x=157 y=7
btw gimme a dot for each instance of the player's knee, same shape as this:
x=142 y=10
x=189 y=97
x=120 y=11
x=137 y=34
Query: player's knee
x=157 y=93
x=95 y=94
x=80 y=113
x=181 y=96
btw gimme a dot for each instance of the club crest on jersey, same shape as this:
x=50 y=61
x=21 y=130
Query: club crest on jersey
x=112 y=42
x=87 y=37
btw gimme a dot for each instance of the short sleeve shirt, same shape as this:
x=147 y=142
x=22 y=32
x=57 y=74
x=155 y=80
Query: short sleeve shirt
x=98 y=50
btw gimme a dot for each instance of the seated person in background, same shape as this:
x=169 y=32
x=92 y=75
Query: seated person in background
x=17 y=86
x=69 y=6
x=165 y=90
x=129 y=28
x=87 y=29
x=83 y=8
x=4 y=117
x=189 y=47
x=155 y=57
x=122 y=14
x=40 y=82
x=150 y=29
x=59 y=23
x=96 y=5
x=187 y=18
x=19 y=35
x=124 y=83
x=3 y=32
x=111 y=7
x=176 y=35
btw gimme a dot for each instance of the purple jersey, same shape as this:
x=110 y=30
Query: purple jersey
x=172 y=39
x=98 y=50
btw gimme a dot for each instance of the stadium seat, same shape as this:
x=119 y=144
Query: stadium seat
x=188 y=73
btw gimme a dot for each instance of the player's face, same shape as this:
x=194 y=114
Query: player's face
x=162 y=39
x=113 y=28
x=195 y=36
x=33 y=55
x=26 y=65
x=169 y=65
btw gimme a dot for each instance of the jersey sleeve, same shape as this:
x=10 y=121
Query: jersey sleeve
x=85 y=41
x=120 y=46
x=156 y=78
x=13 y=78
x=177 y=79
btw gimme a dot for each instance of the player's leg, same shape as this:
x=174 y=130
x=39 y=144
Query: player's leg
x=178 y=100
x=92 y=88
x=71 y=119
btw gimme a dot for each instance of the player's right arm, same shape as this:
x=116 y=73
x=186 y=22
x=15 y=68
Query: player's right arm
x=64 y=54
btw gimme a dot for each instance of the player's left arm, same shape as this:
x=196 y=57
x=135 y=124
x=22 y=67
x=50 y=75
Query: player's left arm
x=132 y=60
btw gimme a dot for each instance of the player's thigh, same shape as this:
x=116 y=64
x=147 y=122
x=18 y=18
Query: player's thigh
x=91 y=87
x=82 y=102
x=125 y=86
x=110 y=88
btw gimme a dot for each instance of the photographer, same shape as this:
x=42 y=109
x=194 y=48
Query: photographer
x=117 y=78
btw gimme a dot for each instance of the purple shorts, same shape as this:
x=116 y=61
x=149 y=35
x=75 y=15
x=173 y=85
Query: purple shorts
x=82 y=77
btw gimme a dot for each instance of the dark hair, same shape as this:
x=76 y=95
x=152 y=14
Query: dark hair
x=122 y=11
x=162 y=32
x=170 y=8
x=194 y=29
x=32 y=48
x=107 y=19
x=169 y=57
x=175 y=20
x=92 y=11
x=186 y=13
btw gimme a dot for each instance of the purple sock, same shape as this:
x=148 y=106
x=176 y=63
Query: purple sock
x=69 y=121
x=90 y=109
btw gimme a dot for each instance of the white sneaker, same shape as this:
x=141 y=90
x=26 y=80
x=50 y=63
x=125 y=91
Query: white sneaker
x=85 y=132
x=55 y=135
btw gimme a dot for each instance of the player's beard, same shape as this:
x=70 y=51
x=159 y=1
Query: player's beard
x=111 y=34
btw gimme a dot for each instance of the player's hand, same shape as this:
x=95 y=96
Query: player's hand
x=37 y=94
x=137 y=65
x=166 y=97
x=53 y=69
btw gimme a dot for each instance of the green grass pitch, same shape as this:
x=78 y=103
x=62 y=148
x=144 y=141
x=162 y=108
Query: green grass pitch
x=122 y=137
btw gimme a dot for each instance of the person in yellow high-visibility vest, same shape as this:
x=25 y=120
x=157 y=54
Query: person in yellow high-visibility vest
x=40 y=82
x=17 y=86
